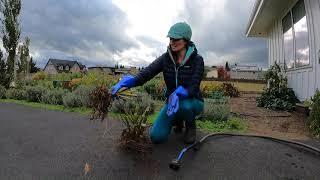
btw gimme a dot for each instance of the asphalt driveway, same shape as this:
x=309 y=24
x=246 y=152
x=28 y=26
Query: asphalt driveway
x=43 y=144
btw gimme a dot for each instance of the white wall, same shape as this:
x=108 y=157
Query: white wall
x=304 y=81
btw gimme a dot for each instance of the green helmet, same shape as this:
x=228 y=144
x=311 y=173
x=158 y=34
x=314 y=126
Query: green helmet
x=180 y=30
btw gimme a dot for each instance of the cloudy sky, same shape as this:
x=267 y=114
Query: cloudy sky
x=133 y=32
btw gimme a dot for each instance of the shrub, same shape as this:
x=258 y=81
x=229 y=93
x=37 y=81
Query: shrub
x=98 y=79
x=2 y=92
x=54 y=96
x=100 y=100
x=208 y=88
x=71 y=100
x=216 y=109
x=83 y=92
x=155 y=88
x=277 y=96
x=230 y=90
x=136 y=104
x=74 y=83
x=35 y=93
x=314 y=119
x=39 y=76
x=18 y=94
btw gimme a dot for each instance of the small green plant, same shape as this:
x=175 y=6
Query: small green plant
x=314 y=119
x=277 y=96
x=2 y=92
x=17 y=94
x=216 y=110
x=133 y=137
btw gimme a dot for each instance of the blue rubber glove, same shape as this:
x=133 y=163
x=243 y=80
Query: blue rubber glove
x=173 y=103
x=181 y=92
x=126 y=81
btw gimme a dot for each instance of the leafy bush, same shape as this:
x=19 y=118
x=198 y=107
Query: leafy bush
x=314 y=119
x=155 y=88
x=230 y=90
x=39 y=76
x=35 y=93
x=84 y=94
x=277 y=96
x=74 y=83
x=2 y=92
x=136 y=104
x=71 y=100
x=208 y=88
x=98 y=79
x=18 y=94
x=216 y=109
x=54 y=96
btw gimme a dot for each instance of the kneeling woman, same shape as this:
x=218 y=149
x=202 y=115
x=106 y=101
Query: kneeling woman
x=182 y=69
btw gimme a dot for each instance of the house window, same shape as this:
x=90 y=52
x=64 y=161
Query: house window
x=61 y=68
x=67 y=68
x=295 y=37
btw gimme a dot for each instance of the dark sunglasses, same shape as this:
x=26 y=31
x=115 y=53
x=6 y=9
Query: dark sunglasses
x=174 y=40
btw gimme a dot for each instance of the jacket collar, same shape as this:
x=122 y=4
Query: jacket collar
x=191 y=50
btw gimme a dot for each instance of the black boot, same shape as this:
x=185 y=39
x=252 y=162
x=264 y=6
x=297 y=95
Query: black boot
x=190 y=133
x=178 y=126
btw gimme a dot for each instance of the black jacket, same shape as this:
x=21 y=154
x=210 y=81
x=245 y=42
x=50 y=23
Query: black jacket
x=189 y=74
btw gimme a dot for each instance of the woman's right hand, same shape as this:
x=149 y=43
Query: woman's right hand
x=126 y=81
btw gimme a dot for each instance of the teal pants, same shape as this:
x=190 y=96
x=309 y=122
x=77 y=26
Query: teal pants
x=188 y=110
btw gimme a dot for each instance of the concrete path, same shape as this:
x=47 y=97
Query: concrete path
x=42 y=144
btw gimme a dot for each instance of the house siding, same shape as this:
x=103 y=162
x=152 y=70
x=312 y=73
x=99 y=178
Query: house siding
x=302 y=80
x=50 y=69
x=75 y=68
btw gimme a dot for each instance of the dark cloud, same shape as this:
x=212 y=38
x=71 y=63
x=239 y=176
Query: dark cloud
x=95 y=31
x=91 y=30
x=222 y=32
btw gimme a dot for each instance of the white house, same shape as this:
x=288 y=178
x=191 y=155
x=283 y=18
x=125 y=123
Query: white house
x=292 y=29
x=246 y=72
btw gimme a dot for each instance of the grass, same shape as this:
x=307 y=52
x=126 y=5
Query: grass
x=242 y=86
x=234 y=124
x=82 y=110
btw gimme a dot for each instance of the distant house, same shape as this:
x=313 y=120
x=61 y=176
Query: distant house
x=113 y=70
x=130 y=70
x=212 y=72
x=106 y=69
x=246 y=72
x=292 y=30
x=55 y=66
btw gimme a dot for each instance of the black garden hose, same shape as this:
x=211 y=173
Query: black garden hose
x=176 y=163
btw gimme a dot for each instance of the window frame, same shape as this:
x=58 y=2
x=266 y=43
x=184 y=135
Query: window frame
x=289 y=10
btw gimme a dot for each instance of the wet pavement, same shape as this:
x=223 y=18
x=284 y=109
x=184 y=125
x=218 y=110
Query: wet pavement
x=43 y=144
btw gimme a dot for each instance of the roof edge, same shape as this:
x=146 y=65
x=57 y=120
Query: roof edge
x=256 y=10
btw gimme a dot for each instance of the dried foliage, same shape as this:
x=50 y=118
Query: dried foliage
x=230 y=90
x=100 y=100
